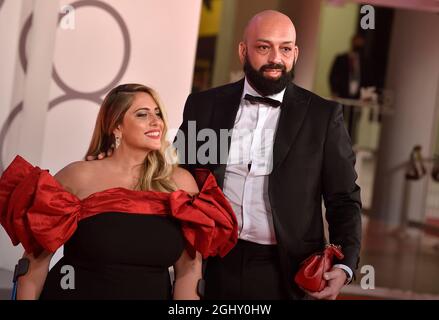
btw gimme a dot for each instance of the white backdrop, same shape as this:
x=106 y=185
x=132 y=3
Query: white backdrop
x=49 y=118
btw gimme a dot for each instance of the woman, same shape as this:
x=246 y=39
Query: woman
x=123 y=220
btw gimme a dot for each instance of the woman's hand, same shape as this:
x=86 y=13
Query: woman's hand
x=187 y=272
x=31 y=284
x=100 y=156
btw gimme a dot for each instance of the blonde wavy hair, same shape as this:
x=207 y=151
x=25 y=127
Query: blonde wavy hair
x=157 y=168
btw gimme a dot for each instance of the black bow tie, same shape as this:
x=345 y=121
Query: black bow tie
x=265 y=100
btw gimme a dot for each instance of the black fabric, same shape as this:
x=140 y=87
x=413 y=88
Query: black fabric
x=312 y=159
x=339 y=79
x=340 y=73
x=118 y=256
x=250 y=271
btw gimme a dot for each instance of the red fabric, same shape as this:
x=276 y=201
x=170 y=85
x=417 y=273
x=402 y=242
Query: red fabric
x=310 y=274
x=39 y=213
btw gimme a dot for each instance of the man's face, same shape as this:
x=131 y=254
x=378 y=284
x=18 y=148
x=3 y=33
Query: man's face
x=267 y=86
x=358 y=43
x=269 y=48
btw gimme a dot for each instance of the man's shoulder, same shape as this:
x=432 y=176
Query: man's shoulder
x=212 y=92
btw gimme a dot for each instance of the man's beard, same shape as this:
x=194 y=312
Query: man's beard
x=266 y=86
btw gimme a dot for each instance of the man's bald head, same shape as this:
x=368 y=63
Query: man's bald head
x=272 y=22
x=268 y=51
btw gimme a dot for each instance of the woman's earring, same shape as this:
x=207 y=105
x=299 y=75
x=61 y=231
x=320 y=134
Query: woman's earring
x=117 y=142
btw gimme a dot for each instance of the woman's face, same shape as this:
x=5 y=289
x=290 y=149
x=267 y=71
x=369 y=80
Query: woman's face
x=142 y=125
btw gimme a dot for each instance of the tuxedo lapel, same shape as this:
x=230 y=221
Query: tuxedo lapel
x=293 y=111
x=226 y=105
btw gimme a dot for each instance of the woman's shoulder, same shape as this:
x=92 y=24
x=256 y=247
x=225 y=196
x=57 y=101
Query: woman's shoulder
x=184 y=180
x=73 y=169
x=75 y=174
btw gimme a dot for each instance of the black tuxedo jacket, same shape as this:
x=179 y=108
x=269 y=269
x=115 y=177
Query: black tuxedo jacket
x=312 y=158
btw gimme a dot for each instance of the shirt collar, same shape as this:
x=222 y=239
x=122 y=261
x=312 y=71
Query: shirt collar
x=249 y=89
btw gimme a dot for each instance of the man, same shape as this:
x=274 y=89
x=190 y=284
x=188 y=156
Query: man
x=288 y=149
x=350 y=72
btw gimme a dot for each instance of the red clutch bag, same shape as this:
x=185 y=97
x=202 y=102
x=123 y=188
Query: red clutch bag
x=310 y=274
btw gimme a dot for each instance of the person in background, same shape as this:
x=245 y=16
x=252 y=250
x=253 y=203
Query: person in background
x=350 y=72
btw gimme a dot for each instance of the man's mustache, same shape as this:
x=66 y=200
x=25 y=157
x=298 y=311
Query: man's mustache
x=272 y=66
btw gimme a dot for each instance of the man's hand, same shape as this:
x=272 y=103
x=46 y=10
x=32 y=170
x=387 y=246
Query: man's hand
x=101 y=155
x=336 y=279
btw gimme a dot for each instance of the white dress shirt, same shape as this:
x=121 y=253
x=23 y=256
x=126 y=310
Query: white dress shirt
x=246 y=187
x=247 y=190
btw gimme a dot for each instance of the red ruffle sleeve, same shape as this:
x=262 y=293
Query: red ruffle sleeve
x=26 y=212
x=208 y=221
x=36 y=211
x=17 y=189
